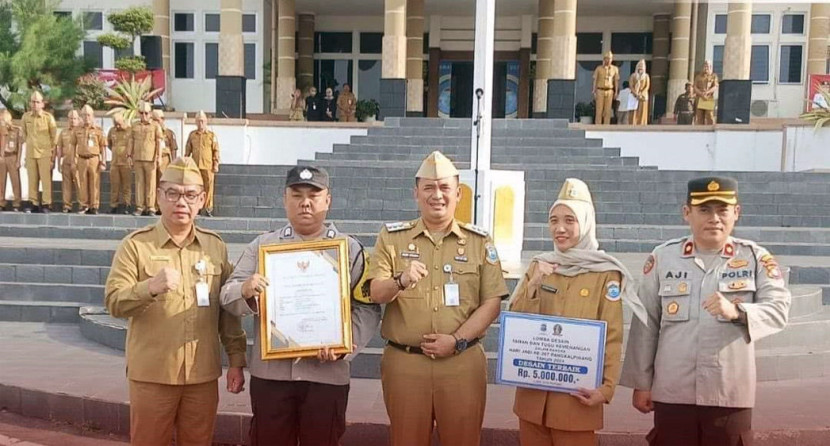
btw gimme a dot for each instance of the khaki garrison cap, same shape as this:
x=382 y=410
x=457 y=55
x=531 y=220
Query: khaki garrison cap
x=608 y=55
x=182 y=170
x=144 y=107
x=436 y=166
x=576 y=190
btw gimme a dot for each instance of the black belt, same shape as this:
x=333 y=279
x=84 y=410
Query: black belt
x=418 y=350
x=86 y=157
x=605 y=89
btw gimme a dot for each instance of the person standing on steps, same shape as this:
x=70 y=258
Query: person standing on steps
x=442 y=283
x=709 y=298
x=41 y=136
x=203 y=146
x=168 y=146
x=121 y=175
x=143 y=151
x=90 y=150
x=301 y=401
x=11 y=146
x=166 y=278
x=606 y=81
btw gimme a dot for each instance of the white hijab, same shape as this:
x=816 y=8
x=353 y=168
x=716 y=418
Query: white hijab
x=586 y=256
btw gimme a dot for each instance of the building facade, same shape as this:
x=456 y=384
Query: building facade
x=421 y=51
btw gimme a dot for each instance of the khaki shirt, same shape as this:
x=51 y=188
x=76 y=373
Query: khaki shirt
x=143 y=143
x=475 y=266
x=584 y=296
x=704 y=82
x=171 y=340
x=168 y=142
x=687 y=356
x=11 y=140
x=204 y=148
x=40 y=133
x=365 y=317
x=118 y=140
x=67 y=149
x=88 y=141
x=684 y=104
x=606 y=78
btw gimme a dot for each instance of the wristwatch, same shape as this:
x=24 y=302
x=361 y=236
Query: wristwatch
x=398 y=281
x=461 y=344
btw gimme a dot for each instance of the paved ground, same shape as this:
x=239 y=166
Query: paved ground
x=79 y=367
x=16 y=430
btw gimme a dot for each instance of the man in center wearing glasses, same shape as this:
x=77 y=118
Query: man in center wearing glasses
x=301 y=400
x=143 y=155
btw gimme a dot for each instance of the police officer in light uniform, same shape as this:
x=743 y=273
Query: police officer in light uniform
x=41 y=135
x=605 y=83
x=443 y=284
x=709 y=297
x=301 y=401
x=90 y=147
x=203 y=146
x=166 y=279
x=120 y=172
x=143 y=151
x=168 y=145
x=11 y=144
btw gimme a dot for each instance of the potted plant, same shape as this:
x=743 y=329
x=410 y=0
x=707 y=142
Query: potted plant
x=367 y=110
x=585 y=112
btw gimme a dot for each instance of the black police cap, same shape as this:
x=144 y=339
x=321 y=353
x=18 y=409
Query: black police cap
x=702 y=190
x=307 y=175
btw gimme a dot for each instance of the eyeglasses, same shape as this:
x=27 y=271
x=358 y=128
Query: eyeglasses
x=173 y=196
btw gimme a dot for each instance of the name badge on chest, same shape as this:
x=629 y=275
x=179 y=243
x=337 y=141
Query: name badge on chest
x=202 y=287
x=451 y=293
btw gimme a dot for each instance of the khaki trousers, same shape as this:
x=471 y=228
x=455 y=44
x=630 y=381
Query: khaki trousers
x=164 y=161
x=70 y=181
x=605 y=102
x=39 y=171
x=532 y=434
x=89 y=179
x=207 y=178
x=449 y=391
x=8 y=166
x=704 y=117
x=155 y=409
x=120 y=185
x=145 y=186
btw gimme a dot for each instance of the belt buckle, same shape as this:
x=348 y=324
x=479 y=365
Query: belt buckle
x=407 y=349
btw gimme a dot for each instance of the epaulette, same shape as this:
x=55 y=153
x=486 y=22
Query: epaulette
x=674 y=241
x=209 y=232
x=398 y=226
x=475 y=229
x=745 y=242
x=141 y=231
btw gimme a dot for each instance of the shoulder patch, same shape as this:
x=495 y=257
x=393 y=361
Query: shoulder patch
x=492 y=254
x=398 y=226
x=475 y=229
x=649 y=265
x=612 y=291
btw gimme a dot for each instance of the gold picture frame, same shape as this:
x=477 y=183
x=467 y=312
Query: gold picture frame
x=296 y=319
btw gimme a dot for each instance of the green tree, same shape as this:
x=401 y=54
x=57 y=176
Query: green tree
x=128 y=24
x=38 y=52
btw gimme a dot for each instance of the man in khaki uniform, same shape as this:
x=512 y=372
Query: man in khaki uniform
x=442 y=283
x=203 y=146
x=709 y=298
x=168 y=145
x=41 y=136
x=166 y=279
x=606 y=81
x=90 y=147
x=705 y=86
x=11 y=143
x=143 y=155
x=68 y=160
x=120 y=171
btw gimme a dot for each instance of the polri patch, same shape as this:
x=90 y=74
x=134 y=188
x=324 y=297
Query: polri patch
x=649 y=265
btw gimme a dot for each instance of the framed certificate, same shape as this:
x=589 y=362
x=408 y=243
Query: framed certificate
x=307 y=305
x=550 y=353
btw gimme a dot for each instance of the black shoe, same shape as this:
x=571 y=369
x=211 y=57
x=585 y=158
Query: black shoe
x=145 y=214
x=45 y=210
x=15 y=209
x=126 y=210
x=27 y=211
x=158 y=212
x=83 y=210
x=114 y=210
x=66 y=211
x=137 y=213
x=92 y=211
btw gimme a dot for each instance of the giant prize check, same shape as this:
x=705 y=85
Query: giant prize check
x=550 y=353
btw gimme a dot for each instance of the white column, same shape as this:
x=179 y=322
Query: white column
x=483 y=79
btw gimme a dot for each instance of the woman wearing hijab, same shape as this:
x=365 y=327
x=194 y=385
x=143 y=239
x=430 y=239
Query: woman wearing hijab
x=640 y=83
x=576 y=280
x=328 y=106
x=297 y=107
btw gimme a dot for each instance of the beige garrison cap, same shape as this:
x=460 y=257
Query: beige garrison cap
x=182 y=170
x=158 y=114
x=608 y=55
x=575 y=189
x=144 y=107
x=436 y=166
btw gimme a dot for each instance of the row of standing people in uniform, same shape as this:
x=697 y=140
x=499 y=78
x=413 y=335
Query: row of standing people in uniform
x=704 y=301
x=340 y=106
x=143 y=149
